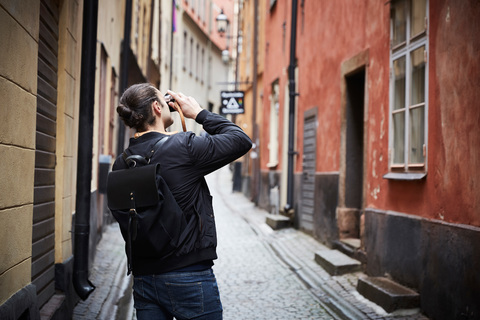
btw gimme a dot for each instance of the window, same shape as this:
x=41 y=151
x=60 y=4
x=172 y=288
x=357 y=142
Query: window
x=408 y=85
x=191 y=57
x=202 y=61
x=197 y=62
x=274 y=117
x=185 y=50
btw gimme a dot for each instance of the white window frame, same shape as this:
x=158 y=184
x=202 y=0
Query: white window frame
x=404 y=50
x=274 y=125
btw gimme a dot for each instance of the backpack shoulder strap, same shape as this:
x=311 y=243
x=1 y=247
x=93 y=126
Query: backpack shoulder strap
x=132 y=160
x=155 y=147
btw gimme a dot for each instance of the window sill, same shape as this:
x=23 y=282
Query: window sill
x=272 y=165
x=405 y=176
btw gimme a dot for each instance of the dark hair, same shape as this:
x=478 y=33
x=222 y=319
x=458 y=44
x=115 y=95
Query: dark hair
x=135 y=106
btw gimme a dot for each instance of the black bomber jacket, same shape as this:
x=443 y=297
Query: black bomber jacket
x=185 y=159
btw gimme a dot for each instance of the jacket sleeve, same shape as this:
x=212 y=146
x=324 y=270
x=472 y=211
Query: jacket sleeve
x=224 y=143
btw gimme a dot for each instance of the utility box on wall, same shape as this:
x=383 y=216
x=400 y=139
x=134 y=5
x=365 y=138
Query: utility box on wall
x=103 y=169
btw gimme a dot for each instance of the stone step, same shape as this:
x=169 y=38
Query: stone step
x=353 y=243
x=278 y=221
x=336 y=263
x=388 y=294
x=352 y=248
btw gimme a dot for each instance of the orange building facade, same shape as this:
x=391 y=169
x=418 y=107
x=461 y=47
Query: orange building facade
x=386 y=138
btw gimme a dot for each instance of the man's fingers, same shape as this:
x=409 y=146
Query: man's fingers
x=173 y=94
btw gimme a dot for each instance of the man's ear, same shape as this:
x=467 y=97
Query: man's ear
x=156 y=107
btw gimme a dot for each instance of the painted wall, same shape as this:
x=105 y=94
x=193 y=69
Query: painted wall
x=330 y=34
x=245 y=63
x=19 y=26
x=111 y=20
x=450 y=190
x=277 y=55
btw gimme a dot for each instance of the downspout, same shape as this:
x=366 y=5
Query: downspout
x=291 y=110
x=170 y=81
x=124 y=66
x=256 y=160
x=82 y=285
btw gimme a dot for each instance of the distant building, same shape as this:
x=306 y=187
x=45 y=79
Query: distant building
x=194 y=66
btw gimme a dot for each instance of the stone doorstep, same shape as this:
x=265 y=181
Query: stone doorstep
x=277 y=221
x=352 y=243
x=336 y=263
x=352 y=248
x=388 y=294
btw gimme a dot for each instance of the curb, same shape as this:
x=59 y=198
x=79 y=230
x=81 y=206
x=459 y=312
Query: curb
x=120 y=281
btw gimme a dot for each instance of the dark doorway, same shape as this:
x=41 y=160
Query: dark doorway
x=350 y=211
x=354 y=162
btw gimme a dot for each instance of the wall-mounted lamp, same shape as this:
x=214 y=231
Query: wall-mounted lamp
x=222 y=27
x=222 y=23
x=225 y=56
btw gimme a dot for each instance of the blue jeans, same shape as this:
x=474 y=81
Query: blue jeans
x=183 y=295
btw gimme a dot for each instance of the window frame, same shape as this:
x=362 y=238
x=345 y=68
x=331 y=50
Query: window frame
x=273 y=144
x=407 y=170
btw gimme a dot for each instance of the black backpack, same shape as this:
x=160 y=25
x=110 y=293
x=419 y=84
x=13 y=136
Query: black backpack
x=150 y=219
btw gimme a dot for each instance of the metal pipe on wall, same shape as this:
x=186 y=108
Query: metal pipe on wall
x=255 y=160
x=291 y=110
x=82 y=285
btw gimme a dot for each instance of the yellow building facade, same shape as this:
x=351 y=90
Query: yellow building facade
x=39 y=87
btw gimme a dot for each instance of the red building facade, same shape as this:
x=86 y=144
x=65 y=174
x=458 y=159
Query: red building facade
x=387 y=138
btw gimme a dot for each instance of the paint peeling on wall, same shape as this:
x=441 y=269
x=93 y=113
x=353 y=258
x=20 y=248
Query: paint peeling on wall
x=375 y=192
x=374 y=164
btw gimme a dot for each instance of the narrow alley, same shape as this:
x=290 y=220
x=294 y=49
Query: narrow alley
x=261 y=273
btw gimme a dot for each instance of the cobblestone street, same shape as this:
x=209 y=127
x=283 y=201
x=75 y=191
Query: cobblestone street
x=254 y=283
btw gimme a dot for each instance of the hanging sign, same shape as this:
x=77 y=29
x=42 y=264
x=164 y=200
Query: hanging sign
x=232 y=102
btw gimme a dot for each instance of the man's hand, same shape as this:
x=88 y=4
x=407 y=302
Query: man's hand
x=189 y=105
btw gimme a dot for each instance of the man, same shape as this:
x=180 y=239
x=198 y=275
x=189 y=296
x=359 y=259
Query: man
x=182 y=284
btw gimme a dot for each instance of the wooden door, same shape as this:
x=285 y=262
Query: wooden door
x=309 y=164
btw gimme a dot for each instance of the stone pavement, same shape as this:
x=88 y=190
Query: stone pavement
x=295 y=250
x=262 y=274
x=254 y=283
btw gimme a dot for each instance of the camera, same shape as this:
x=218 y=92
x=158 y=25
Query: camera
x=169 y=98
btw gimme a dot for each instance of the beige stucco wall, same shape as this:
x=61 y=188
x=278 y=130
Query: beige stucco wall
x=18 y=87
x=68 y=104
x=111 y=18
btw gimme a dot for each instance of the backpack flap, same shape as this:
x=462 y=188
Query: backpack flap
x=132 y=188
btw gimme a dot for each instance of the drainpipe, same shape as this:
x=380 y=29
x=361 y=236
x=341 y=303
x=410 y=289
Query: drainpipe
x=256 y=160
x=82 y=285
x=170 y=81
x=124 y=66
x=291 y=110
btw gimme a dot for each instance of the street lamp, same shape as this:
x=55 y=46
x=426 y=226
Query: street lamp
x=222 y=23
x=225 y=56
x=222 y=28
